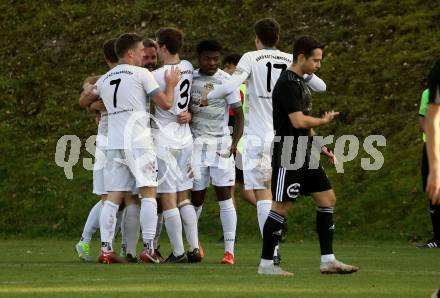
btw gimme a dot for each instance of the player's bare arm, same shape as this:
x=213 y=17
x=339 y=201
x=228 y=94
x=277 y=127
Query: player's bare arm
x=299 y=120
x=98 y=106
x=433 y=147
x=165 y=99
x=238 y=128
x=91 y=80
x=88 y=95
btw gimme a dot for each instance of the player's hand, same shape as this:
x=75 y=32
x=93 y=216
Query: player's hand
x=173 y=76
x=90 y=91
x=98 y=106
x=329 y=116
x=331 y=157
x=433 y=186
x=227 y=153
x=204 y=100
x=184 y=117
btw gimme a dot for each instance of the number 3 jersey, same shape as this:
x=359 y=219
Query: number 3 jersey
x=169 y=133
x=125 y=91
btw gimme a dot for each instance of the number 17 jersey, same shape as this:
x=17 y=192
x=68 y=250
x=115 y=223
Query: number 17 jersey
x=263 y=68
x=168 y=132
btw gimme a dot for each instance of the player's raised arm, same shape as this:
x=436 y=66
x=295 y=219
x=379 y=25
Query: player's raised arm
x=165 y=99
x=315 y=83
x=238 y=77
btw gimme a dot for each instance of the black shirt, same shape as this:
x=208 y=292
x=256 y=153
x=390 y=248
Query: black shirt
x=290 y=95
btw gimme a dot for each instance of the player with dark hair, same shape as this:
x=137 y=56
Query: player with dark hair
x=296 y=170
x=260 y=69
x=174 y=142
x=213 y=153
x=124 y=91
x=92 y=222
x=150 y=54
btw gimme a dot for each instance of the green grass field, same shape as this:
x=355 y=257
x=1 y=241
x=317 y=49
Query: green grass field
x=49 y=268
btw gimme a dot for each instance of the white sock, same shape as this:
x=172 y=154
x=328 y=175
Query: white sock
x=266 y=263
x=158 y=230
x=189 y=220
x=275 y=251
x=173 y=225
x=123 y=231
x=263 y=209
x=132 y=228
x=107 y=224
x=119 y=214
x=198 y=211
x=92 y=223
x=228 y=217
x=148 y=219
x=327 y=258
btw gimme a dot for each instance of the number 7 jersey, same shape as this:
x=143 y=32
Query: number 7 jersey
x=168 y=132
x=125 y=91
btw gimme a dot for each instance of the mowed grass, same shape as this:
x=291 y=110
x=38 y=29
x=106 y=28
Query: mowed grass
x=49 y=268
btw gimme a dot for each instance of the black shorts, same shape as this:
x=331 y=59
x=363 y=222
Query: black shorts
x=425 y=167
x=287 y=185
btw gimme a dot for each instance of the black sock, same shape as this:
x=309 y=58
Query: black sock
x=271 y=234
x=325 y=228
x=435 y=219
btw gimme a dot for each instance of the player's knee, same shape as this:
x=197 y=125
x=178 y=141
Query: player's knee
x=197 y=198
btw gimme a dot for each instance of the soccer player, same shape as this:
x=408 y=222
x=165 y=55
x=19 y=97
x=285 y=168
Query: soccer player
x=260 y=69
x=213 y=148
x=150 y=54
x=433 y=209
x=174 y=143
x=130 y=155
x=229 y=65
x=432 y=126
x=92 y=222
x=295 y=170
x=128 y=213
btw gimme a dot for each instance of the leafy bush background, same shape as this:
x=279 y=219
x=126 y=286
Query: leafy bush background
x=377 y=54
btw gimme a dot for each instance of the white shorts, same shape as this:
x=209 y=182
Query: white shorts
x=257 y=167
x=208 y=166
x=126 y=170
x=174 y=169
x=98 y=172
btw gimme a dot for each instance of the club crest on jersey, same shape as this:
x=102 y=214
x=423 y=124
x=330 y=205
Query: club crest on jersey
x=209 y=86
x=293 y=190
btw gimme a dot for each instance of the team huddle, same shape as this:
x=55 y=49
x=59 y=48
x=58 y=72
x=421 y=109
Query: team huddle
x=164 y=136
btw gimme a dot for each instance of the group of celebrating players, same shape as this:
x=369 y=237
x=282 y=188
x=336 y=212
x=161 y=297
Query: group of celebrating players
x=163 y=137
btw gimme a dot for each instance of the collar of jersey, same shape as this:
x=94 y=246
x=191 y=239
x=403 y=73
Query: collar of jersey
x=273 y=49
x=173 y=63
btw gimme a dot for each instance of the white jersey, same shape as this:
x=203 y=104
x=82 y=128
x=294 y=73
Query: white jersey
x=261 y=70
x=101 y=138
x=125 y=90
x=212 y=120
x=169 y=133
